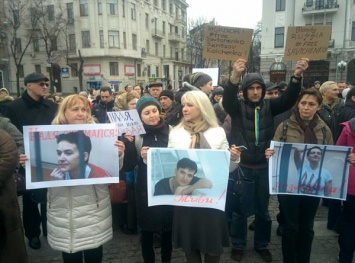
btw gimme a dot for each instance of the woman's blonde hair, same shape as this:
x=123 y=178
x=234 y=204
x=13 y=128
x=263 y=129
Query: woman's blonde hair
x=201 y=101
x=69 y=102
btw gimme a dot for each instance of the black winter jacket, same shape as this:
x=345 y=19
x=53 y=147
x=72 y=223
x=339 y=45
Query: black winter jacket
x=100 y=110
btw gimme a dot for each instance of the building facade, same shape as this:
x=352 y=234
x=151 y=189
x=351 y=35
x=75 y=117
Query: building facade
x=278 y=15
x=119 y=41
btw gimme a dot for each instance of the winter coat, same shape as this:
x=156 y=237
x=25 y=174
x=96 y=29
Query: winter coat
x=78 y=217
x=330 y=113
x=26 y=111
x=174 y=115
x=4 y=101
x=346 y=114
x=100 y=110
x=154 y=218
x=7 y=126
x=347 y=138
x=242 y=113
x=12 y=245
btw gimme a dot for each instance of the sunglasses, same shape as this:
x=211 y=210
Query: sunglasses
x=42 y=84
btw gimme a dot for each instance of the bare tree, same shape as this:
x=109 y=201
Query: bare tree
x=253 y=64
x=21 y=21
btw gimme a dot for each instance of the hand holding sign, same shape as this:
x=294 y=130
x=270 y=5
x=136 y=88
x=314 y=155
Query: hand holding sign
x=301 y=66
x=238 y=69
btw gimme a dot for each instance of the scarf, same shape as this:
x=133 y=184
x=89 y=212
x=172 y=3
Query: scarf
x=196 y=129
x=309 y=135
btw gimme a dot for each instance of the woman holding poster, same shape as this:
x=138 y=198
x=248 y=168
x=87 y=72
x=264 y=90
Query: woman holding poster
x=79 y=218
x=154 y=219
x=298 y=211
x=199 y=129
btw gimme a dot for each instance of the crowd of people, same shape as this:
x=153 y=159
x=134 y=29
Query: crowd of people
x=241 y=116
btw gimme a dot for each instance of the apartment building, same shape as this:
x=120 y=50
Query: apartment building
x=120 y=42
x=278 y=15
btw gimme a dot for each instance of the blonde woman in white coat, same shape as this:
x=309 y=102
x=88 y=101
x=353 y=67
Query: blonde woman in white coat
x=79 y=218
x=200 y=230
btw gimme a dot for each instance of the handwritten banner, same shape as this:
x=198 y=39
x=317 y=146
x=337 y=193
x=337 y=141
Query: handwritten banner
x=70 y=155
x=307 y=42
x=227 y=43
x=127 y=122
x=188 y=177
x=309 y=169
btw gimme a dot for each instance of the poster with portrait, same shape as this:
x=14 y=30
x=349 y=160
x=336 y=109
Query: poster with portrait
x=193 y=177
x=69 y=155
x=309 y=169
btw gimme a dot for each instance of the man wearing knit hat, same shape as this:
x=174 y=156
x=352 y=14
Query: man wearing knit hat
x=155 y=88
x=170 y=109
x=252 y=126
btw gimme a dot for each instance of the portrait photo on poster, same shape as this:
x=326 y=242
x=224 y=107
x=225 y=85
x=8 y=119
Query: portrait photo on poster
x=309 y=169
x=188 y=177
x=70 y=155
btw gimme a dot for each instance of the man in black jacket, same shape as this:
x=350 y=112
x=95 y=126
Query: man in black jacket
x=252 y=126
x=32 y=109
x=105 y=105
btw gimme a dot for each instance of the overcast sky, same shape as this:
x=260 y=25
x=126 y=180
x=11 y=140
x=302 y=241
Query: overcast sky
x=234 y=13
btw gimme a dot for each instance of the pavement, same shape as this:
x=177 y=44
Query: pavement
x=126 y=249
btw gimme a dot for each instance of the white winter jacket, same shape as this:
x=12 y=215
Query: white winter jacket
x=78 y=217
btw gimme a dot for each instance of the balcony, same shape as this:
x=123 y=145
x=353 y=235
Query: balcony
x=320 y=7
x=158 y=33
x=180 y=20
x=173 y=37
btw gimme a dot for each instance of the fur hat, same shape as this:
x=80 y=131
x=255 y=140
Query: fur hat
x=199 y=79
x=146 y=101
x=167 y=93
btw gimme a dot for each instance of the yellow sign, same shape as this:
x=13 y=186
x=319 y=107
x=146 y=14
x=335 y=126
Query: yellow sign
x=227 y=43
x=307 y=42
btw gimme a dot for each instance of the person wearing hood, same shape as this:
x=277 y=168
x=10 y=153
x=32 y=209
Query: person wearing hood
x=253 y=126
x=105 y=105
x=5 y=99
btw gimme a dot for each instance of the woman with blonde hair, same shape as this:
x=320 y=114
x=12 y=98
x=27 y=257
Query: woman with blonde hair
x=200 y=230
x=79 y=217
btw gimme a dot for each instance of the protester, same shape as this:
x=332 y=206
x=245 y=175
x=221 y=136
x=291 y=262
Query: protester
x=217 y=95
x=170 y=108
x=5 y=99
x=298 y=211
x=106 y=104
x=32 y=109
x=155 y=219
x=139 y=89
x=252 y=126
x=155 y=88
x=12 y=245
x=200 y=230
x=87 y=224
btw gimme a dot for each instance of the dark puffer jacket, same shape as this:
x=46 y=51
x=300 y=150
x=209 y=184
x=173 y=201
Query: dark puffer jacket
x=242 y=113
x=100 y=110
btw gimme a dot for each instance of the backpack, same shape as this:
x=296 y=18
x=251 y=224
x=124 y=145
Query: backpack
x=284 y=132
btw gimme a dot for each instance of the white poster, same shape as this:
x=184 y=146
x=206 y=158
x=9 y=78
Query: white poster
x=68 y=155
x=309 y=169
x=188 y=177
x=127 y=121
x=213 y=72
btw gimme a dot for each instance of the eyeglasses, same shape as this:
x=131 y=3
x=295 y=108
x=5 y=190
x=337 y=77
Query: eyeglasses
x=42 y=84
x=317 y=153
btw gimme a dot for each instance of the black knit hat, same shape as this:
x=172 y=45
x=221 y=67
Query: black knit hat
x=199 y=79
x=146 y=101
x=167 y=93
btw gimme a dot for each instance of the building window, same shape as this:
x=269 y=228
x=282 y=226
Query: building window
x=147 y=46
x=133 y=11
x=38 y=68
x=72 y=43
x=280 y=5
x=134 y=42
x=164 y=51
x=18 y=45
x=148 y=71
x=113 y=39
x=123 y=8
x=146 y=20
x=124 y=40
x=182 y=32
x=156 y=49
x=171 y=52
x=353 y=31
x=85 y=39
x=50 y=12
x=16 y=15
x=74 y=69
x=70 y=12
x=114 y=68
x=112 y=7
x=84 y=9
x=279 y=36
x=139 y=70
x=102 y=39
x=99 y=7
x=163 y=5
x=163 y=26
x=21 y=72
x=35 y=44
x=171 y=9
x=156 y=2
x=157 y=72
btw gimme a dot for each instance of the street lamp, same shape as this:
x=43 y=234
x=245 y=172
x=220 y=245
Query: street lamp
x=341 y=66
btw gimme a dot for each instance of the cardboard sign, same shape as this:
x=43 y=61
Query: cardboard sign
x=127 y=121
x=307 y=42
x=70 y=155
x=227 y=43
x=309 y=169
